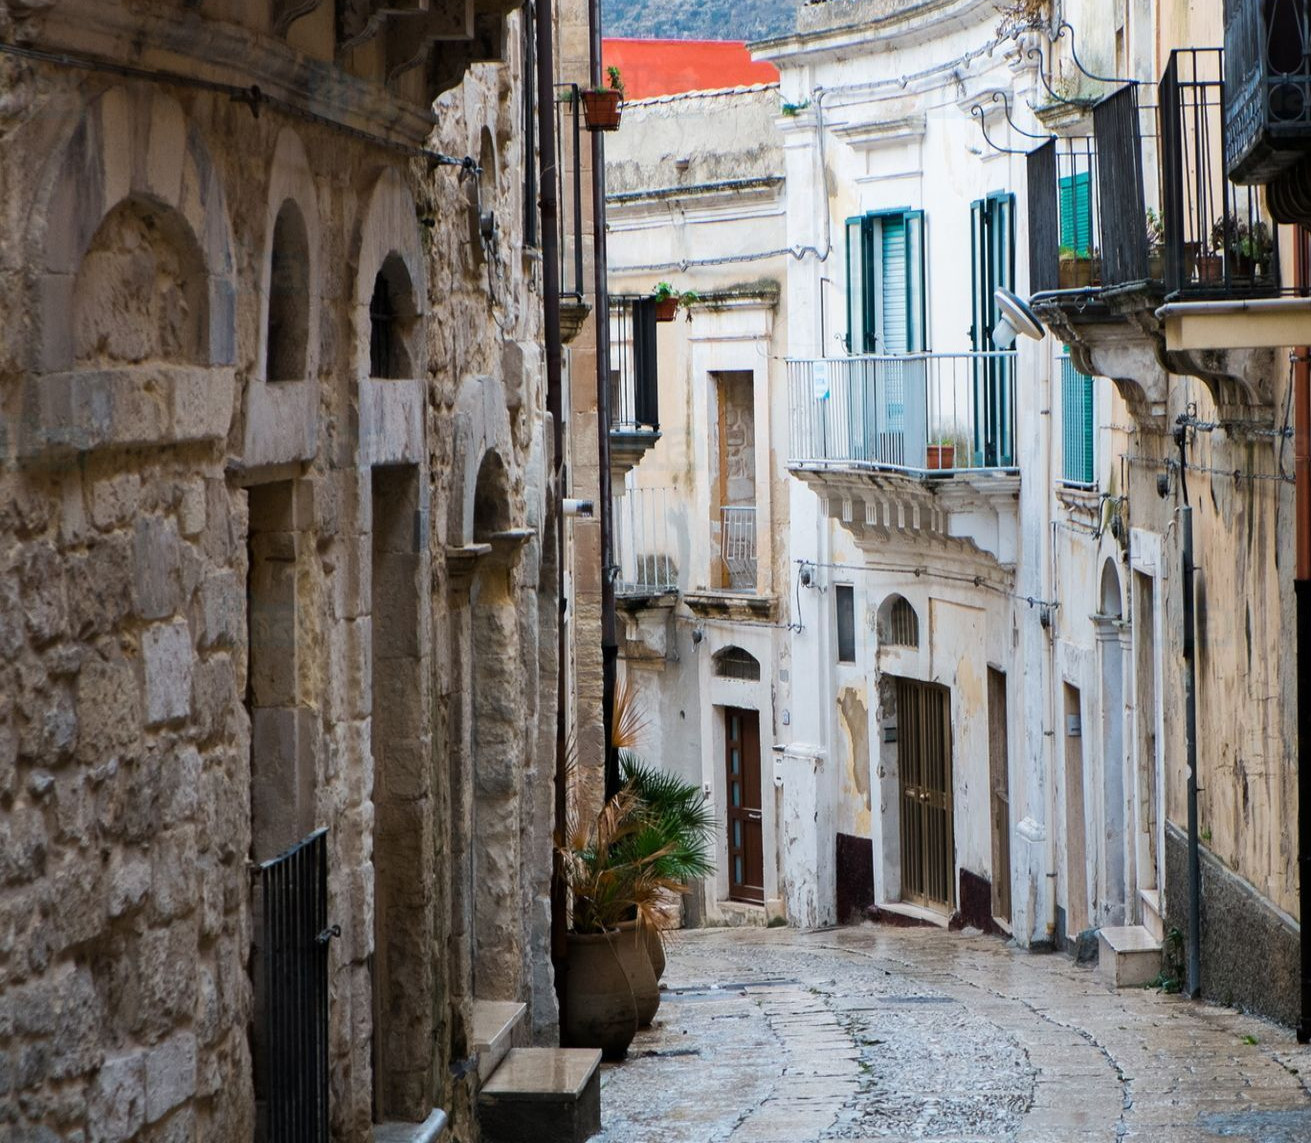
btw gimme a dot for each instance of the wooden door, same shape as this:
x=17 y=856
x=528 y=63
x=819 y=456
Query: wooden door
x=928 y=844
x=746 y=859
x=999 y=773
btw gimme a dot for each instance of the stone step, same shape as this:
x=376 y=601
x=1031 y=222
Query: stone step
x=548 y=1095
x=431 y=1130
x=495 y=1027
x=1151 y=910
x=1128 y=956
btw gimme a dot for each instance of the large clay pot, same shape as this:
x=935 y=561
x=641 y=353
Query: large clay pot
x=641 y=973
x=655 y=949
x=599 y=1010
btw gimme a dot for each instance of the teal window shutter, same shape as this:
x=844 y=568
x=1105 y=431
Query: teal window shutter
x=1076 y=213
x=856 y=285
x=1078 y=464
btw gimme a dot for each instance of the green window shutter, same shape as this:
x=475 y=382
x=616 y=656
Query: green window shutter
x=916 y=308
x=1076 y=213
x=894 y=308
x=1078 y=464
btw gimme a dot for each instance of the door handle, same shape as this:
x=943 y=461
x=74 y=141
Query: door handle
x=753 y=815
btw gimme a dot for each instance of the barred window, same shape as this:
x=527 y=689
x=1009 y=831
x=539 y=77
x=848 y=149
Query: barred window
x=735 y=663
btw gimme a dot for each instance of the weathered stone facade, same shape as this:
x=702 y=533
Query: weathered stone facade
x=273 y=527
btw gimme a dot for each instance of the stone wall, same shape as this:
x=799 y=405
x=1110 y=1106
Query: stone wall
x=229 y=554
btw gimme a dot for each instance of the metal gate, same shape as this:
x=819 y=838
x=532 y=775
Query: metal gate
x=294 y=888
x=928 y=845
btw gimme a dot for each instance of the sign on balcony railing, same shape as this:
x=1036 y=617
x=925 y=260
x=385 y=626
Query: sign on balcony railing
x=921 y=413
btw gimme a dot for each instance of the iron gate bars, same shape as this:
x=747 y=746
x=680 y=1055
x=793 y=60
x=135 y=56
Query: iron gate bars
x=294 y=950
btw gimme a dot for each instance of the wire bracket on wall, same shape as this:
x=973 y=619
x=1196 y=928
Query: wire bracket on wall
x=1002 y=98
x=978 y=112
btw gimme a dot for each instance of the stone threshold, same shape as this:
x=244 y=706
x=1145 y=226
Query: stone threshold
x=431 y=1130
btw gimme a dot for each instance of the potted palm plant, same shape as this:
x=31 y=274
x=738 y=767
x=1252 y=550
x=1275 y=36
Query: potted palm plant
x=602 y=105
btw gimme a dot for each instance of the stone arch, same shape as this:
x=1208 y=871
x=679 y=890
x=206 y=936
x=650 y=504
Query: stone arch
x=132 y=144
x=898 y=622
x=482 y=425
x=735 y=662
x=1111 y=604
x=290 y=268
x=491 y=498
x=387 y=242
x=392 y=322
x=286 y=324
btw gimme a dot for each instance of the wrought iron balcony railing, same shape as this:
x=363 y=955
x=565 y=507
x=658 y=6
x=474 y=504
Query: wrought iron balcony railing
x=1065 y=225
x=1267 y=116
x=645 y=555
x=569 y=190
x=737 y=545
x=924 y=414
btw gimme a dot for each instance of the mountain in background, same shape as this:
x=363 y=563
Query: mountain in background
x=698 y=19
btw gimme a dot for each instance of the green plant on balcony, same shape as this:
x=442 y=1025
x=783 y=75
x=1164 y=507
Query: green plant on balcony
x=1079 y=269
x=601 y=105
x=949 y=448
x=668 y=299
x=1249 y=248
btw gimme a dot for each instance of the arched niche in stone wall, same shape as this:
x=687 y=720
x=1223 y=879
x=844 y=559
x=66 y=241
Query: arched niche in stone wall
x=482 y=425
x=282 y=399
x=491 y=498
x=134 y=299
x=387 y=247
x=1111 y=606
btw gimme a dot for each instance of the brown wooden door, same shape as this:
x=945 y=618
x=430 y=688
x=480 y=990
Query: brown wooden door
x=928 y=844
x=999 y=772
x=746 y=859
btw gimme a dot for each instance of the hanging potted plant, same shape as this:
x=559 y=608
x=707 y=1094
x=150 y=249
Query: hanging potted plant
x=666 y=301
x=602 y=106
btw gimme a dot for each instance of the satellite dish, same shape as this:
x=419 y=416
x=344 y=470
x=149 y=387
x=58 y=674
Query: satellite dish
x=1016 y=318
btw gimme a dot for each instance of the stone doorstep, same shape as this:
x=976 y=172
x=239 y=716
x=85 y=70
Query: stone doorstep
x=1128 y=955
x=1151 y=899
x=549 y=1095
x=431 y=1130
x=494 y=1025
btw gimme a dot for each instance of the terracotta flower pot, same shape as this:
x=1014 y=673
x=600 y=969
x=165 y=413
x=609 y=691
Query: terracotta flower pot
x=655 y=949
x=636 y=959
x=941 y=456
x=601 y=109
x=666 y=308
x=599 y=1011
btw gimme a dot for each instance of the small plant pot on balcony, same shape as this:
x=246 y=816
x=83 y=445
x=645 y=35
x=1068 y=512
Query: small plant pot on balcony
x=602 y=109
x=1080 y=273
x=941 y=456
x=1210 y=268
x=666 y=308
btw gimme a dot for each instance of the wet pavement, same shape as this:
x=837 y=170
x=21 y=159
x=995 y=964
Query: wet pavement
x=879 y=1033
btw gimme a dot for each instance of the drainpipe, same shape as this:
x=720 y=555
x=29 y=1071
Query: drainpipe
x=1302 y=597
x=549 y=206
x=609 y=639
x=1190 y=729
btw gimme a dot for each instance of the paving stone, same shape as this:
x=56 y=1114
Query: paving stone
x=871 y=1033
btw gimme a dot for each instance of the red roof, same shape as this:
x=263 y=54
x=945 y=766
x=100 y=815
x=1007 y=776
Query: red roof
x=668 y=67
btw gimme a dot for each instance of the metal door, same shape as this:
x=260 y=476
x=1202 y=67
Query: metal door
x=928 y=845
x=294 y=953
x=746 y=861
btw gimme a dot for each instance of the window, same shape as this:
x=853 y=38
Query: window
x=1078 y=435
x=899 y=626
x=288 y=323
x=1076 y=214
x=844 y=597
x=391 y=319
x=992 y=247
x=735 y=663
x=885 y=282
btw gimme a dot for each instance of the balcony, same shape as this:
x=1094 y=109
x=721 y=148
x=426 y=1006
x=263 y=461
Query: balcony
x=634 y=387
x=903 y=447
x=645 y=543
x=1168 y=226
x=737 y=546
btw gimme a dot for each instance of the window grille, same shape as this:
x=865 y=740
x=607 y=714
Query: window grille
x=735 y=663
x=902 y=628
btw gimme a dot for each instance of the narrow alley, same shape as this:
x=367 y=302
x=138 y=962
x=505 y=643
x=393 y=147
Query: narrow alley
x=875 y=1032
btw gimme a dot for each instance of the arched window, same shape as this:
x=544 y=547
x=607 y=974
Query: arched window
x=288 y=328
x=392 y=316
x=899 y=626
x=735 y=663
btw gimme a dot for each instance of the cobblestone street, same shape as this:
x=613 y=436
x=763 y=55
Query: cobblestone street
x=879 y=1033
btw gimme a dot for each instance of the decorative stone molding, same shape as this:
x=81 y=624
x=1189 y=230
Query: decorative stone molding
x=737 y=607
x=627 y=448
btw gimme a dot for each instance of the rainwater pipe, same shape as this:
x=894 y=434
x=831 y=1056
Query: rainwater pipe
x=1302 y=598
x=1190 y=723
x=601 y=316
x=1054 y=740
x=549 y=207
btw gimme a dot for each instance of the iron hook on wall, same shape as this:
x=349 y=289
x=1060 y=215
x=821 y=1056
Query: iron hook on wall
x=977 y=111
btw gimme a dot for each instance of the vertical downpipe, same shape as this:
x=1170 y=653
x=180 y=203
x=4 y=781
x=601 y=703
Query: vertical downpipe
x=1190 y=740
x=1302 y=598
x=601 y=313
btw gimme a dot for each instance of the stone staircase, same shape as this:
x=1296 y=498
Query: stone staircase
x=548 y=1095
x=1129 y=956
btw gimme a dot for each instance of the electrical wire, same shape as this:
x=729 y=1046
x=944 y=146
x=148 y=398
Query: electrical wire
x=252 y=96
x=922 y=570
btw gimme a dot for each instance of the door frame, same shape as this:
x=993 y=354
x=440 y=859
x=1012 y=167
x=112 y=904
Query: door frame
x=751 y=819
